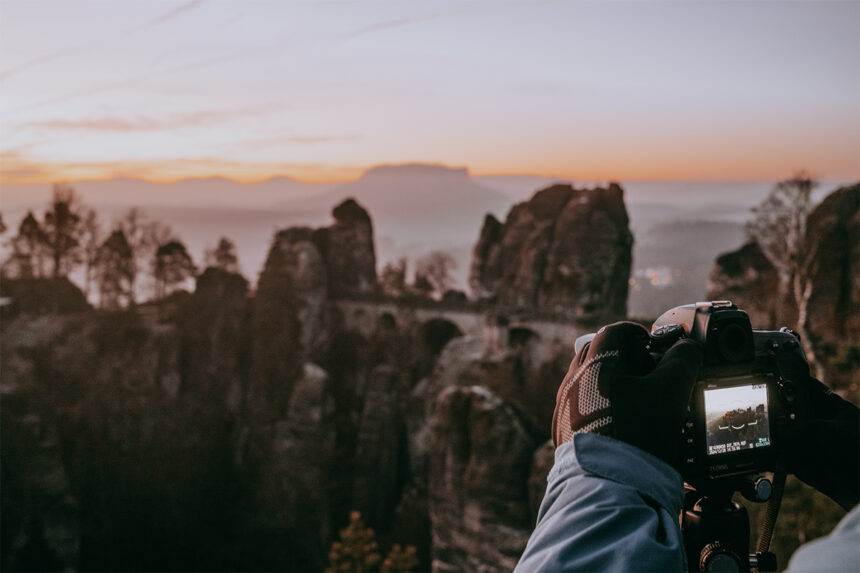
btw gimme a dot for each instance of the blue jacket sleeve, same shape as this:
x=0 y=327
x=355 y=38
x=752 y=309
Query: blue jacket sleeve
x=609 y=506
x=838 y=551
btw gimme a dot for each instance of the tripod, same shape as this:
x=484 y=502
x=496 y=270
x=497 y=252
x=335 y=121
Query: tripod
x=717 y=529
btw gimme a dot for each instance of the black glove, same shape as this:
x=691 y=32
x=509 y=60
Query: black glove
x=613 y=388
x=824 y=449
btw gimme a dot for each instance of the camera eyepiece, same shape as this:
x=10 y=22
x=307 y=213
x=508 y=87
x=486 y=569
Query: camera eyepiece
x=734 y=343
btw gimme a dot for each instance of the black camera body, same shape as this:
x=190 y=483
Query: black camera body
x=749 y=379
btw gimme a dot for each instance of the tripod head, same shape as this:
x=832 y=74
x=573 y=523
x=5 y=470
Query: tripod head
x=717 y=529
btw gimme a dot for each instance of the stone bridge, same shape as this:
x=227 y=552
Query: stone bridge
x=545 y=335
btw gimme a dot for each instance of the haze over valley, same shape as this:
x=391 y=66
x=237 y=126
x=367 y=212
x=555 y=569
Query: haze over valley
x=679 y=226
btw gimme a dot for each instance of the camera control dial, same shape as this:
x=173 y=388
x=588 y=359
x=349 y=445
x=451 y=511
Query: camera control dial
x=717 y=557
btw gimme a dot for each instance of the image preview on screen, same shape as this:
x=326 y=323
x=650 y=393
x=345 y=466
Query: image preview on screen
x=736 y=418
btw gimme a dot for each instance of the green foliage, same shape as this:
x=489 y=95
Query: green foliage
x=400 y=559
x=358 y=550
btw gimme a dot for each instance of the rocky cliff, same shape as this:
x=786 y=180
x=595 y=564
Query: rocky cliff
x=231 y=430
x=565 y=251
x=834 y=307
x=746 y=277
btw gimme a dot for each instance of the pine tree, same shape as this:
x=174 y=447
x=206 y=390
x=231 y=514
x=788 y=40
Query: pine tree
x=172 y=266
x=115 y=271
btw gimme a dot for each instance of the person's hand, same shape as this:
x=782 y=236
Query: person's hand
x=824 y=449
x=614 y=389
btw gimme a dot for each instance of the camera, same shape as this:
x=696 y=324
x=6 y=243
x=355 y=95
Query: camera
x=749 y=379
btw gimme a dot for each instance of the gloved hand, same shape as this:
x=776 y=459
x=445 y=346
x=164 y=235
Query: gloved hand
x=613 y=388
x=824 y=449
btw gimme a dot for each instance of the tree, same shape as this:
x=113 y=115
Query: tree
x=143 y=237
x=172 y=266
x=436 y=269
x=223 y=256
x=392 y=279
x=116 y=270
x=62 y=230
x=29 y=254
x=779 y=228
x=358 y=550
x=421 y=285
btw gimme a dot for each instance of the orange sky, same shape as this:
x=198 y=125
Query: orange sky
x=320 y=91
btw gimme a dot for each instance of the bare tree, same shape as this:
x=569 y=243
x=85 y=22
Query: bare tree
x=436 y=269
x=779 y=227
x=172 y=267
x=392 y=279
x=143 y=237
x=223 y=256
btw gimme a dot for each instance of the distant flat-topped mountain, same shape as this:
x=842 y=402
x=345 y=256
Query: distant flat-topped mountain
x=420 y=201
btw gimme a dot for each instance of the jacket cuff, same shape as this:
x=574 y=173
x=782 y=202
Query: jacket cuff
x=620 y=462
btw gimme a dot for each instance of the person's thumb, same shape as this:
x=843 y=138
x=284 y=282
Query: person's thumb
x=676 y=372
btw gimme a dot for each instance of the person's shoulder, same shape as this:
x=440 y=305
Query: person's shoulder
x=838 y=551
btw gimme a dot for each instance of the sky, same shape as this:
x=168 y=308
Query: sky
x=722 y=400
x=320 y=91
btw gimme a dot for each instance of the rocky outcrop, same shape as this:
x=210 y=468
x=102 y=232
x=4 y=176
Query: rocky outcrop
x=747 y=278
x=542 y=462
x=213 y=325
x=834 y=307
x=750 y=280
x=348 y=250
x=481 y=455
x=380 y=457
x=304 y=267
x=566 y=251
x=300 y=465
x=41 y=521
x=41 y=296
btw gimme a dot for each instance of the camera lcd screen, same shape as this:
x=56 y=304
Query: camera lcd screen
x=736 y=419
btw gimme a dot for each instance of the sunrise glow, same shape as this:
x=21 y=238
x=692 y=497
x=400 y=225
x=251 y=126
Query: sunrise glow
x=320 y=91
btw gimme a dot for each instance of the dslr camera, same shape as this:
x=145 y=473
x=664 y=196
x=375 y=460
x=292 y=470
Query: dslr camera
x=748 y=380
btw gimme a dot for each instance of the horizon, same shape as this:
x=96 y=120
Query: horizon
x=417 y=164
x=321 y=92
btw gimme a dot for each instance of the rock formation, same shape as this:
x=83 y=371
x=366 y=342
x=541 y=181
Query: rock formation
x=240 y=430
x=380 y=457
x=747 y=278
x=213 y=329
x=542 y=462
x=480 y=455
x=566 y=251
x=348 y=250
x=834 y=307
x=300 y=466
